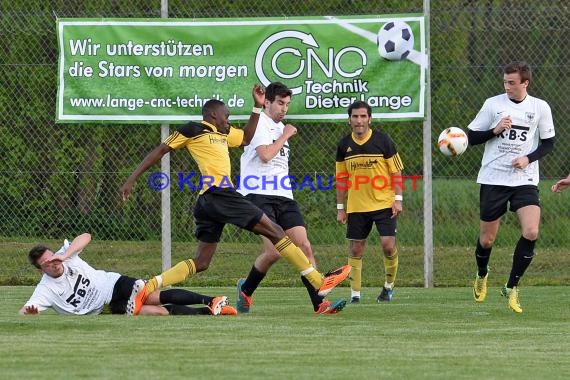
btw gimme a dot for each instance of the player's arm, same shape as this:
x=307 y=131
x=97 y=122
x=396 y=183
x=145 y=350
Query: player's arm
x=342 y=185
x=487 y=125
x=258 y=94
x=546 y=134
x=397 y=205
x=480 y=137
x=153 y=157
x=267 y=152
x=545 y=147
x=77 y=245
x=340 y=206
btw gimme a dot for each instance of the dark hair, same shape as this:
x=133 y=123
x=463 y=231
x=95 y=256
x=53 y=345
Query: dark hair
x=359 y=104
x=520 y=67
x=35 y=253
x=277 y=89
x=211 y=106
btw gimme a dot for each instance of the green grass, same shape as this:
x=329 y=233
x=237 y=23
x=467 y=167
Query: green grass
x=423 y=334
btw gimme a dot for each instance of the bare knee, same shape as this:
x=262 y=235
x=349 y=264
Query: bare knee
x=487 y=241
x=357 y=247
x=389 y=247
x=389 y=250
x=530 y=234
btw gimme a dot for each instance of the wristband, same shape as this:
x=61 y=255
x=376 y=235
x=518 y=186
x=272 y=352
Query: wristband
x=256 y=110
x=398 y=197
x=340 y=206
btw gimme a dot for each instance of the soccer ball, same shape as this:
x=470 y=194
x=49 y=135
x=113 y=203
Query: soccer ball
x=395 y=40
x=452 y=141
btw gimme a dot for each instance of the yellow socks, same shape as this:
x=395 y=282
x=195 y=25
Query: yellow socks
x=391 y=267
x=355 y=273
x=174 y=275
x=297 y=258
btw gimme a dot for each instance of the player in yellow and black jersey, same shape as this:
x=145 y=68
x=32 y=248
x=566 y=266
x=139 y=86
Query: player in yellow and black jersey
x=369 y=171
x=218 y=202
x=208 y=146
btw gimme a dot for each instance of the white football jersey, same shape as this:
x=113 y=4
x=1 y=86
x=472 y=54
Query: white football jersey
x=265 y=178
x=81 y=289
x=532 y=120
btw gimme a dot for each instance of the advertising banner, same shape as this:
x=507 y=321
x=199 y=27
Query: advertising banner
x=137 y=71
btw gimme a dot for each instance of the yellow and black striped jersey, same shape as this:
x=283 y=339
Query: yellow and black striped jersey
x=209 y=148
x=364 y=168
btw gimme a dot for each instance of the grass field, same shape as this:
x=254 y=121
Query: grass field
x=423 y=334
x=437 y=333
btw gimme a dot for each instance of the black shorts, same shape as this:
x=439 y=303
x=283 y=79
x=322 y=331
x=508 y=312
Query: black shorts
x=121 y=294
x=360 y=224
x=219 y=206
x=281 y=210
x=493 y=200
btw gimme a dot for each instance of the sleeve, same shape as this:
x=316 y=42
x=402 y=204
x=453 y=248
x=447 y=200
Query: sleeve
x=485 y=119
x=340 y=166
x=393 y=159
x=261 y=136
x=235 y=137
x=64 y=249
x=479 y=137
x=40 y=298
x=177 y=140
x=545 y=124
x=395 y=163
x=184 y=134
x=544 y=148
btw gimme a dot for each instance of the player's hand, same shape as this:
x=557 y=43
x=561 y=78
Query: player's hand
x=289 y=130
x=520 y=162
x=258 y=95
x=396 y=209
x=341 y=216
x=125 y=190
x=505 y=123
x=28 y=310
x=561 y=185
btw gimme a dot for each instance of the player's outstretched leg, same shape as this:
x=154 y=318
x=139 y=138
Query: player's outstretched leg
x=332 y=279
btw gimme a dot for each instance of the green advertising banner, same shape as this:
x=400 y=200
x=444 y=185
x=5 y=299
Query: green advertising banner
x=133 y=71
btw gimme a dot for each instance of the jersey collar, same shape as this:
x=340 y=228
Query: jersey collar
x=210 y=126
x=363 y=141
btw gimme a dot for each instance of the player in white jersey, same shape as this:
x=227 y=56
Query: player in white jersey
x=264 y=180
x=517 y=130
x=71 y=286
